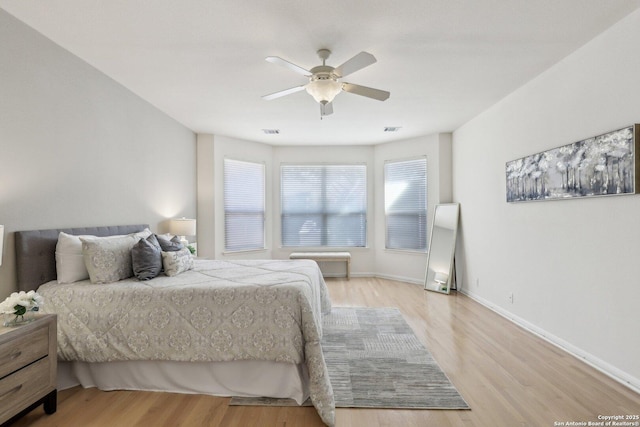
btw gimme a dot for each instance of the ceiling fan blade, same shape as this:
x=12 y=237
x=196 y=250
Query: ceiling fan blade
x=369 y=92
x=358 y=62
x=283 y=93
x=326 y=109
x=287 y=64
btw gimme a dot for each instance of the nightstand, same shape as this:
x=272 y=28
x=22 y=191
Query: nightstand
x=28 y=367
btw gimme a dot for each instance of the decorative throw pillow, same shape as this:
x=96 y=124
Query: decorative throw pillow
x=146 y=258
x=169 y=245
x=108 y=259
x=176 y=262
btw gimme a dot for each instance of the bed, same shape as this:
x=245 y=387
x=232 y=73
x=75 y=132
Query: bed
x=240 y=328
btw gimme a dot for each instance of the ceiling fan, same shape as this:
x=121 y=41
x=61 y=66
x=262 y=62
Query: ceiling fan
x=325 y=81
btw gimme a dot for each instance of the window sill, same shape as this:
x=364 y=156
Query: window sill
x=324 y=248
x=246 y=251
x=405 y=252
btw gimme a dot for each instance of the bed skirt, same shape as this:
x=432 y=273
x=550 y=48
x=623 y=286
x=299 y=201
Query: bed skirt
x=236 y=378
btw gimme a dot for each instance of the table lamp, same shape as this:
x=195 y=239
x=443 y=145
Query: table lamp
x=183 y=227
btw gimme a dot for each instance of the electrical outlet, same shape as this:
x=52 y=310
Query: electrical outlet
x=478 y=282
x=511 y=297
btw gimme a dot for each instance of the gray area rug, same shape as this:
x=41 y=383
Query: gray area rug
x=376 y=361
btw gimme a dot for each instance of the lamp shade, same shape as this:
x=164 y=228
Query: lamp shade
x=441 y=277
x=1 y=241
x=183 y=227
x=323 y=90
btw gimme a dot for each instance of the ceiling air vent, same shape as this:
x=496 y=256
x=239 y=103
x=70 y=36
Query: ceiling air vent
x=271 y=131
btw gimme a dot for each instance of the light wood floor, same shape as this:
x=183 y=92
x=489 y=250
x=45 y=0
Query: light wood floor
x=508 y=376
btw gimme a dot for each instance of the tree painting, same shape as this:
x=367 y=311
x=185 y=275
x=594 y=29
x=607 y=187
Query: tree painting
x=598 y=166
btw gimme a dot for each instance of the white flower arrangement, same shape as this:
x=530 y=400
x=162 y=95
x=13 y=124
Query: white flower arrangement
x=19 y=303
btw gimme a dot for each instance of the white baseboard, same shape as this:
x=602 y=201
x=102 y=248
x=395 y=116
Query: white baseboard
x=382 y=276
x=398 y=278
x=599 y=364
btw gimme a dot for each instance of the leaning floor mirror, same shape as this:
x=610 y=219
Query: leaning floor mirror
x=442 y=246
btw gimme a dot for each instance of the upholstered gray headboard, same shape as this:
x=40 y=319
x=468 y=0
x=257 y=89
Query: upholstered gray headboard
x=36 y=251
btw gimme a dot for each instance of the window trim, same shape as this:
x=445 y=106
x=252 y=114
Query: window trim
x=366 y=246
x=384 y=204
x=264 y=247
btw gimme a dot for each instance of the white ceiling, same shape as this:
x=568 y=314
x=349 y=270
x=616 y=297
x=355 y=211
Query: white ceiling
x=202 y=61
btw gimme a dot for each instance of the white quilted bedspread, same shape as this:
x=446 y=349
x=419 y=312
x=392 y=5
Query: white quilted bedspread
x=219 y=311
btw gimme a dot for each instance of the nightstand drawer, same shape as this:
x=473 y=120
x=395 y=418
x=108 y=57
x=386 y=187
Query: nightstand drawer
x=20 y=389
x=23 y=349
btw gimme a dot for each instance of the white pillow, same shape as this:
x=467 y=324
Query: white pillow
x=69 y=261
x=70 y=265
x=142 y=234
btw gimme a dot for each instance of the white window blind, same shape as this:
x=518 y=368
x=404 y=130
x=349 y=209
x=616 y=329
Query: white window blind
x=243 y=205
x=324 y=205
x=405 y=202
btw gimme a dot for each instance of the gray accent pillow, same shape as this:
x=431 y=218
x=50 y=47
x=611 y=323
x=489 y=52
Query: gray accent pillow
x=176 y=262
x=146 y=258
x=108 y=259
x=169 y=245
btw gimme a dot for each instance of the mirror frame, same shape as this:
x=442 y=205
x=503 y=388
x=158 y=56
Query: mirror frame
x=440 y=288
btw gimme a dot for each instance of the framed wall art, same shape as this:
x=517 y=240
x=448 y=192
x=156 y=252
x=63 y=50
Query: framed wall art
x=603 y=165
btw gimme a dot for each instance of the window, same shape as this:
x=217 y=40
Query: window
x=243 y=205
x=405 y=204
x=324 y=205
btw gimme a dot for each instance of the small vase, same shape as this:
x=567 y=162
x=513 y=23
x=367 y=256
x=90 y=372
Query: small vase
x=15 y=320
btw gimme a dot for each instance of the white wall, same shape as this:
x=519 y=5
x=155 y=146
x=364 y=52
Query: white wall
x=206 y=229
x=78 y=149
x=572 y=264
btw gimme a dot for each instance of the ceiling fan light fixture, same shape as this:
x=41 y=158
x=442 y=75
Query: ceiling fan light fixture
x=325 y=81
x=323 y=90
